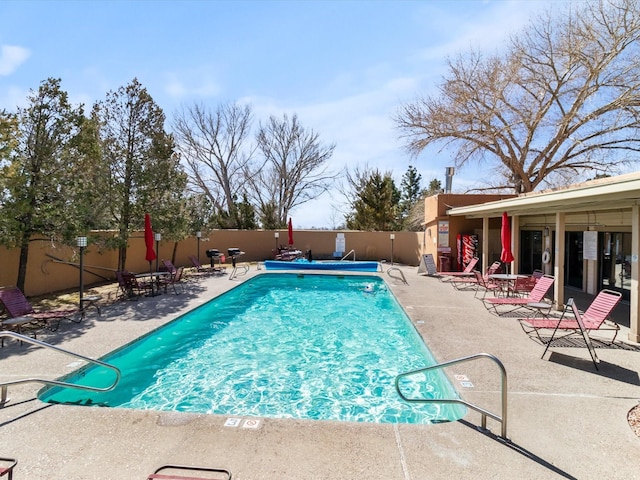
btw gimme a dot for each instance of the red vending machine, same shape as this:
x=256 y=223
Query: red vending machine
x=467 y=249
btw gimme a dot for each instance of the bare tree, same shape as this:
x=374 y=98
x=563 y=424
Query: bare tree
x=563 y=101
x=213 y=146
x=294 y=172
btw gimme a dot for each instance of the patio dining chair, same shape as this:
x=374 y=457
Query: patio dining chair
x=130 y=287
x=174 y=280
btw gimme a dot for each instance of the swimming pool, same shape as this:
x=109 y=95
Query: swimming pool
x=324 y=347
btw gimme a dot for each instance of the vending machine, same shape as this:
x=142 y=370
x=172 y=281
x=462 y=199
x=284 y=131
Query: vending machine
x=467 y=249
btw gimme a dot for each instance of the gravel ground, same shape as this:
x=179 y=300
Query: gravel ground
x=634 y=419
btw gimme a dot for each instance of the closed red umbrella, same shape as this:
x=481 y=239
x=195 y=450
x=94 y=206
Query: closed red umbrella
x=148 y=240
x=506 y=256
x=290 y=232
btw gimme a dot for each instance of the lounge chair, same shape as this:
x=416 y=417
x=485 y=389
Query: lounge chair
x=471 y=281
x=536 y=296
x=175 y=472
x=594 y=318
x=468 y=271
x=17 y=305
x=523 y=286
x=6 y=467
x=208 y=270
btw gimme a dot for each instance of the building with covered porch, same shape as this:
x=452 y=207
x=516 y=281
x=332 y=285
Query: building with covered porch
x=586 y=235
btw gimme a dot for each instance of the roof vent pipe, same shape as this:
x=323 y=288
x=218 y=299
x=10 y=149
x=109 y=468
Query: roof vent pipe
x=448 y=172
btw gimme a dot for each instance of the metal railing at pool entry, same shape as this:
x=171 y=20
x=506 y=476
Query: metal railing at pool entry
x=401 y=277
x=350 y=252
x=22 y=338
x=485 y=413
x=244 y=270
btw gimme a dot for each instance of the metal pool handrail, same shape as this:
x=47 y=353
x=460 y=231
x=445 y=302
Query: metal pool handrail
x=482 y=411
x=350 y=252
x=4 y=385
x=401 y=277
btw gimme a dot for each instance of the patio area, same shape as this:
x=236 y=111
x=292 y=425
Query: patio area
x=565 y=419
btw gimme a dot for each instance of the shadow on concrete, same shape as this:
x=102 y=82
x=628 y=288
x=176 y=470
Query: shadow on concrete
x=520 y=450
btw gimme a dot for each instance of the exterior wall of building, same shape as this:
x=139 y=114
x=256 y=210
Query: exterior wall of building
x=439 y=245
x=45 y=275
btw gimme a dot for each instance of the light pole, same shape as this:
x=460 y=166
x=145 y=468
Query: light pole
x=392 y=237
x=157 y=238
x=276 y=235
x=198 y=236
x=82 y=243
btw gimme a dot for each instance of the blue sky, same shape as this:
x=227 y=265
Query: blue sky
x=344 y=67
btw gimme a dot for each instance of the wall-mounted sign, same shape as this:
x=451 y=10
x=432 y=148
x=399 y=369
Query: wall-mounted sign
x=443 y=233
x=590 y=245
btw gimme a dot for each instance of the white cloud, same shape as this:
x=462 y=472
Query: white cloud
x=197 y=83
x=11 y=57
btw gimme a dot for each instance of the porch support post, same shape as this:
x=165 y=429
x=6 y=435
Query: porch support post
x=634 y=310
x=558 y=262
x=485 y=244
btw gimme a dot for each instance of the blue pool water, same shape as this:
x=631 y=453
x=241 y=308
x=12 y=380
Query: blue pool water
x=309 y=346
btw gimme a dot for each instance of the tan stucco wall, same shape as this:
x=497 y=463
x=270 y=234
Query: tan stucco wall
x=45 y=275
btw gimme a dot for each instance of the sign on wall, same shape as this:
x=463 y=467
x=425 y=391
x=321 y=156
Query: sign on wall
x=443 y=233
x=590 y=245
x=340 y=243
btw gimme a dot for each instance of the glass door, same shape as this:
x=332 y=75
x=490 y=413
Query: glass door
x=615 y=262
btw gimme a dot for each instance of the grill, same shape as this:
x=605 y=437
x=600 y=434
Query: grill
x=212 y=253
x=234 y=253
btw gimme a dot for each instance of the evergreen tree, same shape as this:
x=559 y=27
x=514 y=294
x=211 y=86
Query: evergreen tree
x=143 y=172
x=376 y=204
x=43 y=180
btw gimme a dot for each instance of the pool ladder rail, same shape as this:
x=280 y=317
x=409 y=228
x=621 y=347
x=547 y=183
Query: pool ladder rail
x=485 y=413
x=400 y=275
x=4 y=386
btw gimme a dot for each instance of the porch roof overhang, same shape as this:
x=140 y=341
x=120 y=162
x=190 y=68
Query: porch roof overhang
x=611 y=193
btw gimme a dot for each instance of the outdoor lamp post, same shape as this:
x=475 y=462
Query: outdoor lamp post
x=198 y=237
x=276 y=235
x=157 y=238
x=392 y=237
x=82 y=243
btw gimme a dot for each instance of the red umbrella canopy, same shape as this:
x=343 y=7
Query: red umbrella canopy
x=506 y=256
x=148 y=239
x=290 y=232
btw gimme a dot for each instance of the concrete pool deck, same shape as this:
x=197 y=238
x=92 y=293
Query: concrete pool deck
x=565 y=419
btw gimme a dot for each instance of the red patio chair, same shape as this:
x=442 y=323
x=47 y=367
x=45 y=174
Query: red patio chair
x=174 y=279
x=594 y=318
x=468 y=271
x=464 y=282
x=536 y=295
x=17 y=305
